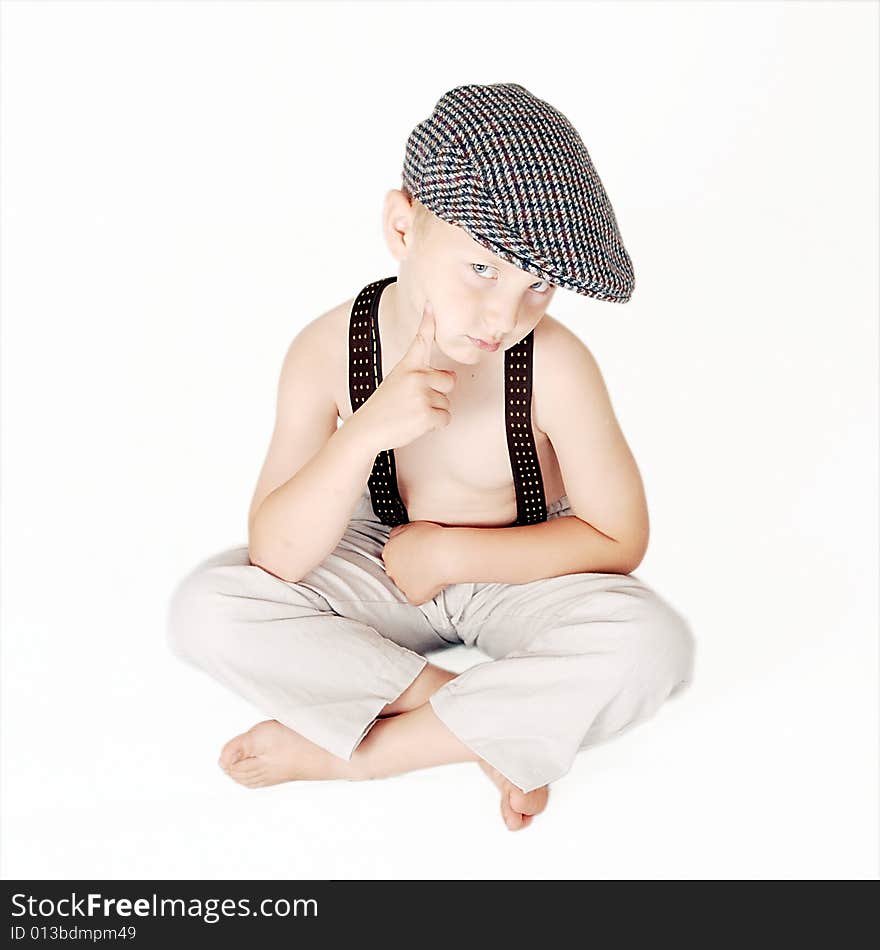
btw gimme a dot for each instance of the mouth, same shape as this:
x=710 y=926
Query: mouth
x=485 y=344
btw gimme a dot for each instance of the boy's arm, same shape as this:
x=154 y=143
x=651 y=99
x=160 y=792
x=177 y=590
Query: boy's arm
x=313 y=474
x=609 y=530
x=526 y=553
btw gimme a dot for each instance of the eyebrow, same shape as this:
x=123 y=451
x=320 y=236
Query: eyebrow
x=497 y=267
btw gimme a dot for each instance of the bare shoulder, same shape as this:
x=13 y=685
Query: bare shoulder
x=563 y=364
x=326 y=336
x=326 y=330
x=554 y=339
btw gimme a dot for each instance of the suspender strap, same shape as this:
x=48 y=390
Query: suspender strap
x=364 y=377
x=531 y=504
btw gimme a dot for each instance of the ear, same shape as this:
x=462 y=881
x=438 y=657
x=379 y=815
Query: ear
x=397 y=224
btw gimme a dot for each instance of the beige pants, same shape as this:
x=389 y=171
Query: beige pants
x=577 y=659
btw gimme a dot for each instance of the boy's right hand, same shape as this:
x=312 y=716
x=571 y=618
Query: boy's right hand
x=412 y=399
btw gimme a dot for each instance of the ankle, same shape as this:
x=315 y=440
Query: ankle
x=423 y=687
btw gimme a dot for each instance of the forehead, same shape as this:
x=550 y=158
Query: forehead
x=459 y=240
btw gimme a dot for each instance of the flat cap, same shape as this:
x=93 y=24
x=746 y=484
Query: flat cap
x=513 y=172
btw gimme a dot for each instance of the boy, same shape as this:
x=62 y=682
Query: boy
x=478 y=491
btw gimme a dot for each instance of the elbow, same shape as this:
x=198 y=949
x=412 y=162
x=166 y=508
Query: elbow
x=288 y=559
x=631 y=554
x=265 y=564
x=272 y=563
x=629 y=563
x=634 y=545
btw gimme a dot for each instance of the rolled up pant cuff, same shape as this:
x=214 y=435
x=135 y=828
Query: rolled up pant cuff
x=339 y=726
x=529 y=762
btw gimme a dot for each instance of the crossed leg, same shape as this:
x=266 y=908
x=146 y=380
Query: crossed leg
x=406 y=736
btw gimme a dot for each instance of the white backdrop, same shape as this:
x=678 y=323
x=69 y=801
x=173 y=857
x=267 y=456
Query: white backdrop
x=185 y=185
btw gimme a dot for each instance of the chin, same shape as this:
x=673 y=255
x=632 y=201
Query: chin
x=461 y=355
x=470 y=354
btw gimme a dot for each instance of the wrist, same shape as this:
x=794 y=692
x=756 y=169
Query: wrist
x=448 y=555
x=358 y=437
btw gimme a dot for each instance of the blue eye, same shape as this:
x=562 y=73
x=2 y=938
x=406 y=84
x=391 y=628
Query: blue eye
x=481 y=273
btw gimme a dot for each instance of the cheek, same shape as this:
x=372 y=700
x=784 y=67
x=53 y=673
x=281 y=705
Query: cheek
x=453 y=315
x=536 y=311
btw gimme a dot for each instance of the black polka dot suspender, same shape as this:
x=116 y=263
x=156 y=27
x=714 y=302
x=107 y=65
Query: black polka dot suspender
x=531 y=505
x=365 y=375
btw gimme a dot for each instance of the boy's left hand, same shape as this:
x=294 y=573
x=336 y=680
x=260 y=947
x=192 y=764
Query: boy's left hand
x=414 y=560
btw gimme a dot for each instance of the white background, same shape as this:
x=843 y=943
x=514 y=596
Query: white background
x=185 y=185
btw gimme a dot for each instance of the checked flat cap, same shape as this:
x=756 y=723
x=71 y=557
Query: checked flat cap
x=513 y=172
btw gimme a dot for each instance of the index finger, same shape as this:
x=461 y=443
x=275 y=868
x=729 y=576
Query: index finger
x=426 y=335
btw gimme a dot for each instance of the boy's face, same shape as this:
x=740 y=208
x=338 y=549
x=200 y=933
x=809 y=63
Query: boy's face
x=475 y=294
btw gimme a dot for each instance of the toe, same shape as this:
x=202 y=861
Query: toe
x=255 y=781
x=513 y=819
x=241 y=747
x=249 y=779
x=245 y=768
x=529 y=803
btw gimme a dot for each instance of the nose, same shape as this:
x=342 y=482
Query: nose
x=498 y=326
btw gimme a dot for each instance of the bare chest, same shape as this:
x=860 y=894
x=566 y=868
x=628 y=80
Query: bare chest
x=461 y=474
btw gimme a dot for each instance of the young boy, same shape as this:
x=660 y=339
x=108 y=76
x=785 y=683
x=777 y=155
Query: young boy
x=478 y=491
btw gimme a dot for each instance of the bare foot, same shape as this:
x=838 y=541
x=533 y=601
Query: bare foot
x=270 y=753
x=517 y=807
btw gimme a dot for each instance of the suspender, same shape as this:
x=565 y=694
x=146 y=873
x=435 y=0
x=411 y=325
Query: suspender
x=365 y=375
x=531 y=505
